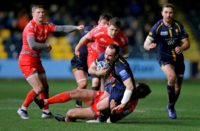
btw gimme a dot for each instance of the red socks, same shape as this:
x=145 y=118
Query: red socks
x=59 y=98
x=44 y=96
x=29 y=98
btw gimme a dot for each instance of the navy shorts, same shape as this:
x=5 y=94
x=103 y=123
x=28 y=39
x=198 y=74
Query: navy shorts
x=79 y=63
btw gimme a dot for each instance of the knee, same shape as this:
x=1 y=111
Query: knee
x=74 y=93
x=172 y=79
x=38 y=90
x=71 y=113
x=82 y=85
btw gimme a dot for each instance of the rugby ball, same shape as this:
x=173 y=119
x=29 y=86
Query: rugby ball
x=102 y=65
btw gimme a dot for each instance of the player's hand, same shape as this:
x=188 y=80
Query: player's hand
x=178 y=50
x=102 y=72
x=118 y=108
x=49 y=48
x=80 y=27
x=152 y=46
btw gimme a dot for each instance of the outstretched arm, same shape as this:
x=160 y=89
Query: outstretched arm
x=68 y=28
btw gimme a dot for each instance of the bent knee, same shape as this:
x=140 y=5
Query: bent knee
x=71 y=113
x=82 y=85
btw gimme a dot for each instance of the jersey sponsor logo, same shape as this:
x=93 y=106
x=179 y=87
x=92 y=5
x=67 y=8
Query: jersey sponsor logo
x=171 y=41
x=102 y=40
x=163 y=33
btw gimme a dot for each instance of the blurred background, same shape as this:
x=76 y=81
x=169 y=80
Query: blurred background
x=137 y=16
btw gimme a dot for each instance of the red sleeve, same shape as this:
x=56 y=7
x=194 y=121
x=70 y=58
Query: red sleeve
x=51 y=27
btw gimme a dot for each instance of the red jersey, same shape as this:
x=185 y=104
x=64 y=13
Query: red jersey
x=102 y=39
x=39 y=31
x=29 y=60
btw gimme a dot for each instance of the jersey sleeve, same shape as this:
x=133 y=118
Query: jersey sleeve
x=155 y=30
x=123 y=72
x=183 y=34
x=30 y=31
x=51 y=27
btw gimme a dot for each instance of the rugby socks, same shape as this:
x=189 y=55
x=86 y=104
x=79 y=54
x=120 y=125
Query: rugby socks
x=171 y=95
x=43 y=96
x=29 y=98
x=59 y=98
x=177 y=93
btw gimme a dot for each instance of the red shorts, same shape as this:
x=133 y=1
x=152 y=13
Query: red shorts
x=29 y=65
x=95 y=102
x=131 y=105
x=92 y=56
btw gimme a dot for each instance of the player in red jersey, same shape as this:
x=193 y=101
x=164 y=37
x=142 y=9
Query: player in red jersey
x=34 y=41
x=79 y=64
x=102 y=36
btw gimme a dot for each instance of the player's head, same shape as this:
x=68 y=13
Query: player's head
x=38 y=13
x=111 y=53
x=104 y=19
x=142 y=90
x=167 y=12
x=114 y=27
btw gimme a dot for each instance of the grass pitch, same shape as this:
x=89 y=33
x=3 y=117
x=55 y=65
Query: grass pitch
x=150 y=114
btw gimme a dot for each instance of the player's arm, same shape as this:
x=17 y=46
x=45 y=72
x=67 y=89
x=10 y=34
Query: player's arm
x=148 y=43
x=185 y=44
x=92 y=70
x=127 y=94
x=36 y=45
x=68 y=28
x=83 y=41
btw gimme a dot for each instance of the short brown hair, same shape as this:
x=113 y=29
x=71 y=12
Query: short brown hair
x=168 y=5
x=115 y=21
x=34 y=7
x=105 y=16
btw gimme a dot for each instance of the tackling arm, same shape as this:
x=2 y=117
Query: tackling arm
x=83 y=41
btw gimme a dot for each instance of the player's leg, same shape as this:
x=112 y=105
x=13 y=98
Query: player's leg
x=36 y=84
x=44 y=95
x=180 y=68
x=81 y=79
x=80 y=113
x=171 y=77
x=76 y=94
x=92 y=56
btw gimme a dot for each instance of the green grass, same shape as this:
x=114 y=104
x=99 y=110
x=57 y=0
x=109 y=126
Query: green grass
x=149 y=115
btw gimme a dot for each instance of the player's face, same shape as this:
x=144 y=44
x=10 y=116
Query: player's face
x=112 y=31
x=38 y=15
x=167 y=14
x=110 y=55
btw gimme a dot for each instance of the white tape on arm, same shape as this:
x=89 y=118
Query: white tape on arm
x=127 y=96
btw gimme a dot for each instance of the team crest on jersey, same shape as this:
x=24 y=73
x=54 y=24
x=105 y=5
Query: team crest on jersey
x=102 y=40
x=163 y=33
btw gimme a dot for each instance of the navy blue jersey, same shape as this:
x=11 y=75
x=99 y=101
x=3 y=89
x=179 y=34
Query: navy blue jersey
x=119 y=72
x=167 y=38
x=81 y=62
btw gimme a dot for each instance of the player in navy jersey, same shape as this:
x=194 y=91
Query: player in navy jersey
x=170 y=38
x=120 y=94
